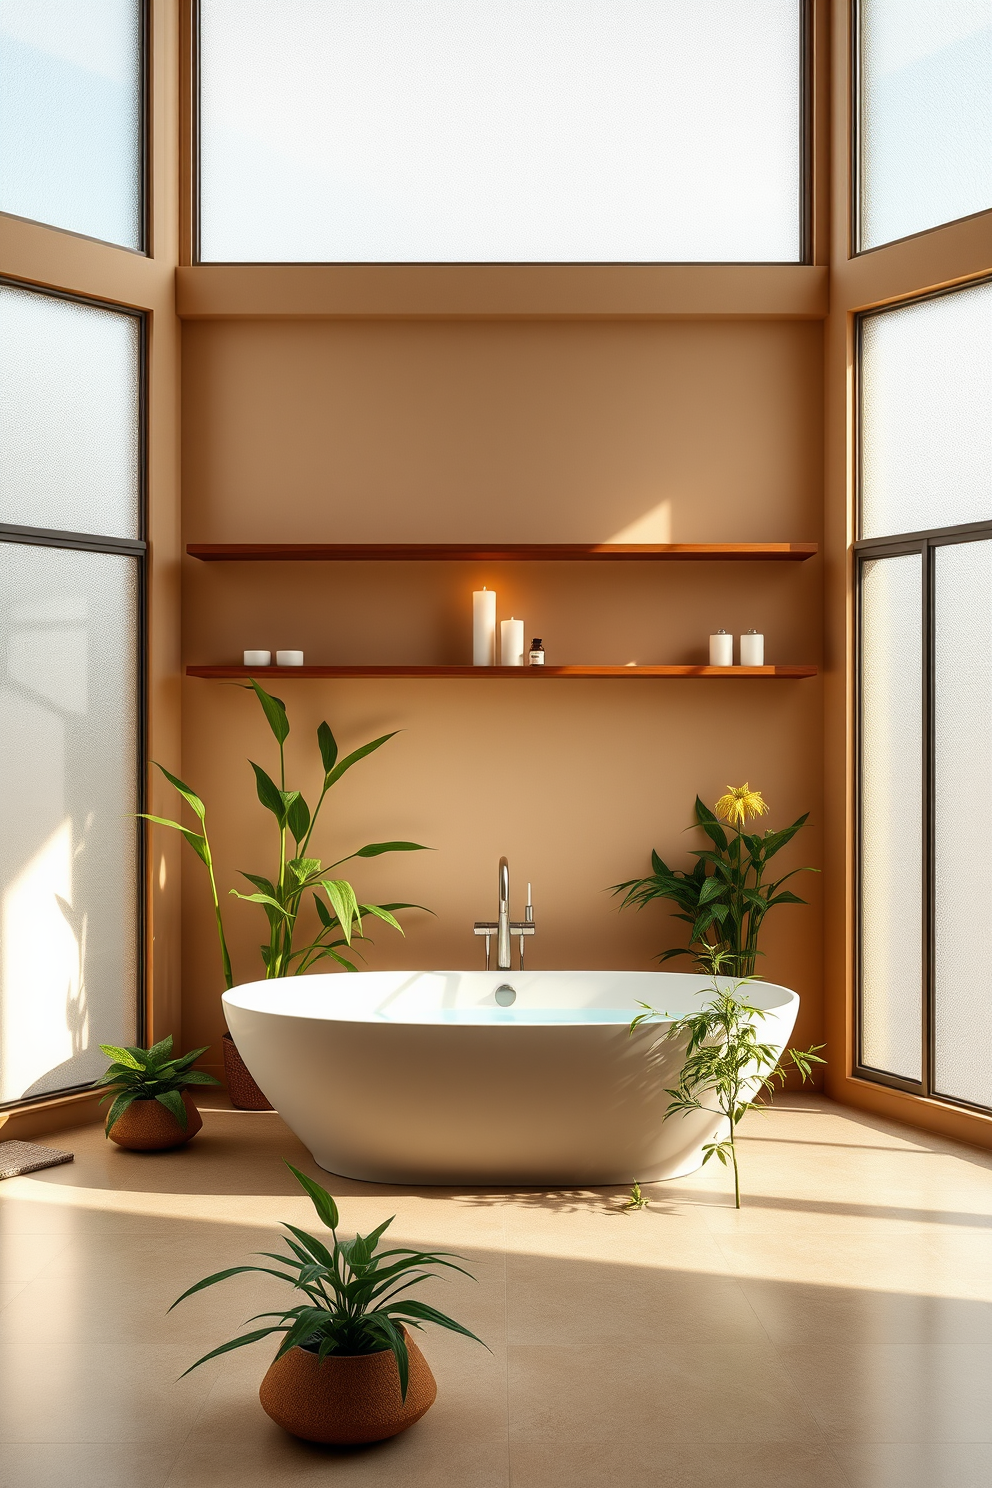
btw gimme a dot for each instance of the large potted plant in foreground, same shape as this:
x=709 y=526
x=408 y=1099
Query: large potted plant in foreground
x=347 y=1370
x=310 y=915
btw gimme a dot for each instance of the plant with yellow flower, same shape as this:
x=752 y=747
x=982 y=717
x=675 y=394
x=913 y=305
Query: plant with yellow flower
x=726 y=896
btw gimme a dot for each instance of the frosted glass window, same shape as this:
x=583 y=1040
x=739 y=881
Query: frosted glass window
x=68 y=849
x=380 y=131
x=926 y=115
x=926 y=413
x=69 y=415
x=892 y=815
x=962 y=772
x=70 y=115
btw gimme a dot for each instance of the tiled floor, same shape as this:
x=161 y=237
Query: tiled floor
x=837 y=1333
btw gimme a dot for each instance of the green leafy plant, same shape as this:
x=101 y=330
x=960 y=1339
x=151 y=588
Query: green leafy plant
x=637 y=1200
x=353 y=1292
x=726 y=1061
x=149 y=1074
x=298 y=876
x=726 y=897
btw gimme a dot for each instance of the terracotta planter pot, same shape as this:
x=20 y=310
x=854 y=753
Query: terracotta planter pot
x=245 y=1094
x=146 y=1126
x=346 y=1400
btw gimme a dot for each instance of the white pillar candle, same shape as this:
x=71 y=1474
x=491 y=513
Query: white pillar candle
x=512 y=642
x=258 y=658
x=721 y=649
x=752 y=649
x=289 y=658
x=484 y=627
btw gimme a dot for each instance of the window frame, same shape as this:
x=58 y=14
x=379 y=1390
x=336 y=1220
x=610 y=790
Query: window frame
x=144 y=248
x=807 y=167
x=925 y=542
x=857 y=130
x=136 y=548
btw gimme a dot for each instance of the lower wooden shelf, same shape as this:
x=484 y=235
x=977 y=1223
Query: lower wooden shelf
x=528 y=673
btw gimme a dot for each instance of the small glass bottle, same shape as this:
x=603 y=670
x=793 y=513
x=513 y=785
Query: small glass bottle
x=535 y=656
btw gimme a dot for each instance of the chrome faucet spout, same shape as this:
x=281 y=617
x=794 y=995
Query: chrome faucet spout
x=503 y=953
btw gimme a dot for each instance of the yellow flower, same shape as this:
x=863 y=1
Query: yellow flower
x=740 y=803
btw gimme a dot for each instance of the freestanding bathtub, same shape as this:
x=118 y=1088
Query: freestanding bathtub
x=421 y=1077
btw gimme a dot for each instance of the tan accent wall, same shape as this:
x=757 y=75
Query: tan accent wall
x=45 y=256
x=531 y=429
x=949 y=255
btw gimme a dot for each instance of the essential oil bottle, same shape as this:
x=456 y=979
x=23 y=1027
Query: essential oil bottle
x=535 y=656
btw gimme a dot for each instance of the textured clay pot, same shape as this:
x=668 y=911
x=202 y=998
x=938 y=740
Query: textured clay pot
x=245 y=1094
x=346 y=1400
x=146 y=1126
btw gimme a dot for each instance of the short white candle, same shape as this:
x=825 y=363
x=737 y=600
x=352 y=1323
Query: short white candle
x=721 y=649
x=512 y=642
x=258 y=658
x=752 y=649
x=484 y=627
x=289 y=658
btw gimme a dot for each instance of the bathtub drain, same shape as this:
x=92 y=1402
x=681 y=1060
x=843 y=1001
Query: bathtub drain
x=505 y=995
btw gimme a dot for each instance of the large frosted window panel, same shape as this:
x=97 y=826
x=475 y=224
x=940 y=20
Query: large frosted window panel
x=69 y=415
x=70 y=115
x=926 y=414
x=68 y=858
x=503 y=131
x=926 y=114
x=962 y=869
x=891 y=815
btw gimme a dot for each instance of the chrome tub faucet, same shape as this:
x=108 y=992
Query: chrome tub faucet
x=503 y=927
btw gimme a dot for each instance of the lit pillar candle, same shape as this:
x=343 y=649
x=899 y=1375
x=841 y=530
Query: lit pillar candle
x=484 y=627
x=512 y=642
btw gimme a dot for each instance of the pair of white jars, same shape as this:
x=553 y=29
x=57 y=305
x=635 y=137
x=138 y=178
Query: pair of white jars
x=264 y=658
x=752 y=649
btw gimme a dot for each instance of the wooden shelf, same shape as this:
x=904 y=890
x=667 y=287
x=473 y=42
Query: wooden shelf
x=501 y=673
x=501 y=552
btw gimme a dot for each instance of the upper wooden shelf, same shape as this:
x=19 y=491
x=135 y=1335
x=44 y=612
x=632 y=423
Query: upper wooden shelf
x=501 y=552
x=522 y=673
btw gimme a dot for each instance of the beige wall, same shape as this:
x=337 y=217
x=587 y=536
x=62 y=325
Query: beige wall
x=524 y=430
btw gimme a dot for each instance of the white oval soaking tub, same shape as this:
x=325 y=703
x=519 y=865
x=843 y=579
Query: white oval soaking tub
x=420 y=1077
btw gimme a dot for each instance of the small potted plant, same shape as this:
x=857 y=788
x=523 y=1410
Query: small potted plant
x=347 y=1370
x=150 y=1109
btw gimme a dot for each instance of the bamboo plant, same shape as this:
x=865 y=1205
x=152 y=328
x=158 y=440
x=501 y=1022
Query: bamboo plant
x=726 y=896
x=299 y=876
x=725 y=1060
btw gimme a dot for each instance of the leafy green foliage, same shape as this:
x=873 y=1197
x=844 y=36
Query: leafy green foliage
x=726 y=1066
x=300 y=877
x=354 y=1293
x=725 y=897
x=149 y=1074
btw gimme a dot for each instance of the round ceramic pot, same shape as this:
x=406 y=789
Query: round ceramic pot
x=245 y=1094
x=146 y=1126
x=345 y=1400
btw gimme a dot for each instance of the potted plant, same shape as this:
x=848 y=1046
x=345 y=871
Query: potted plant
x=726 y=896
x=299 y=878
x=347 y=1370
x=150 y=1109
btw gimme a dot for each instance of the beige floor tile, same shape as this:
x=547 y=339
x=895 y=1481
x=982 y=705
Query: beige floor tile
x=896 y=1392
x=85 y=1465
x=814 y=1314
x=949 y=1263
x=83 y=1393
x=436 y=1453
x=676 y=1464
x=652 y=1394
x=23 y=1257
x=916 y=1465
x=550 y=1300
x=9 y=1290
